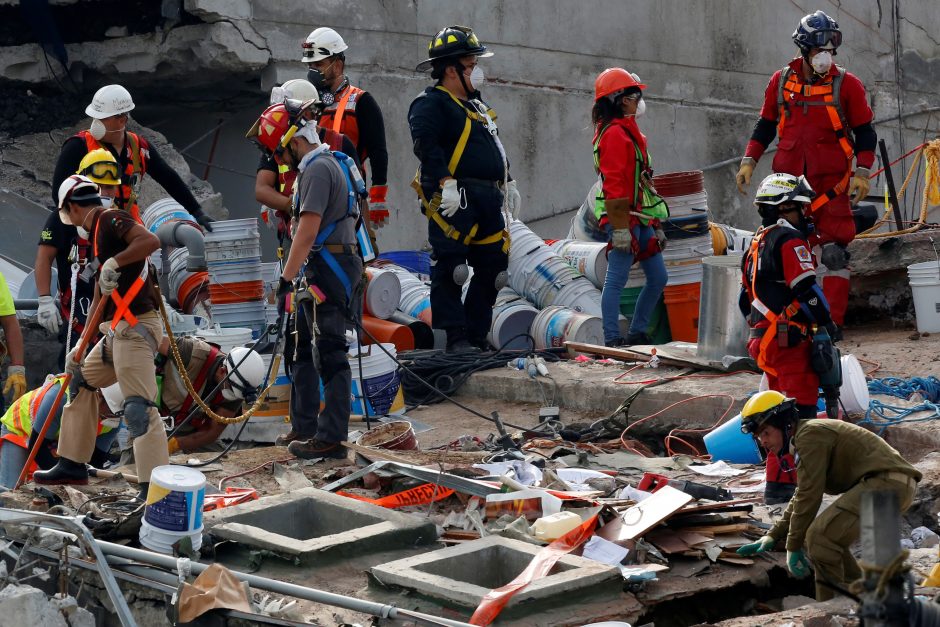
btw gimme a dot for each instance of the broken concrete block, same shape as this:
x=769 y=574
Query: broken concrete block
x=30 y=606
x=924 y=538
x=212 y=10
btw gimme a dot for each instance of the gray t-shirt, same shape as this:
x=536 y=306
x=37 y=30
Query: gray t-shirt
x=322 y=188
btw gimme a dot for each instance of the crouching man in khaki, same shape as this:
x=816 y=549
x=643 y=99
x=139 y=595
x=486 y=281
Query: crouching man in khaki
x=132 y=333
x=832 y=457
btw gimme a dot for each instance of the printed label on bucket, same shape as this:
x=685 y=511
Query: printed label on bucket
x=382 y=394
x=173 y=511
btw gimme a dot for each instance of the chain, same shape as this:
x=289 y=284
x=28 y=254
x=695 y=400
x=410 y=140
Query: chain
x=73 y=286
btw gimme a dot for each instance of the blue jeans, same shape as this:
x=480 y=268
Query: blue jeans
x=618 y=271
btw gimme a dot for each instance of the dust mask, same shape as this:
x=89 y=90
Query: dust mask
x=822 y=62
x=477 y=78
x=229 y=394
x=641 y=108
x=97 y=129
x=82 y=232
x=107 y=202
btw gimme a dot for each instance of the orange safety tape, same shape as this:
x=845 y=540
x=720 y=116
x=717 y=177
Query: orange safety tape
x=495 y=600
x=232 y=496
x=421 y=495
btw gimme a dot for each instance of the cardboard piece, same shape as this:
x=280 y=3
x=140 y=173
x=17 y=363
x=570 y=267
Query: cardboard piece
x=215 y=588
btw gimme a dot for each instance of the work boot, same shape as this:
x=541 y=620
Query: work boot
x=778 y=493
x=461 y=346
x=638 y=338
x=314 y=448
x=615 y=343
x=66 y=472
x=286 y=438
x=142 y=492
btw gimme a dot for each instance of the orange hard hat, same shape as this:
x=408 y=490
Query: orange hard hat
x=613 y=80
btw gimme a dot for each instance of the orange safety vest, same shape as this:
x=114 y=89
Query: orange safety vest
x=334 y=117
x=133 y=171
x=784 y=318
x=121 y=302
x=790 y=90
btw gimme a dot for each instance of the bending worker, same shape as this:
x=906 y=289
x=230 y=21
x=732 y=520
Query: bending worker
x=461 y=182
x=821 y=115
x=834 y=457
x=136 y=156
x=782 y=302
x=132 y=334
x=69 y=248
x=351 y=111
x=626 y=207
x=14 y=385
x=329 y=295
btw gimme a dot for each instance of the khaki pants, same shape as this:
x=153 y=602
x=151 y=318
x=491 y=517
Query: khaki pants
x=832 y=533
x=125 y=358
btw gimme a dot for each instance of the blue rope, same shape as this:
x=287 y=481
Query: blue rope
x=883 y=415
x=927 y=387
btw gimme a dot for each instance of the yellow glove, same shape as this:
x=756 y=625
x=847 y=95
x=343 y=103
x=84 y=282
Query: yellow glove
x=172 y=446
x=859 y=185
x=743 y=177
x=15 y=386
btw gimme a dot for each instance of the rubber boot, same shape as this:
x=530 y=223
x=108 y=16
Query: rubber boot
x=66 y=472
x=142 y=493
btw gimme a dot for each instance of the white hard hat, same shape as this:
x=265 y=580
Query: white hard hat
x=246 y=373
x=780 y=187
x=295 y=89
x=109 y=100
x=113 y=397
x=76 y=187
x=322 y=43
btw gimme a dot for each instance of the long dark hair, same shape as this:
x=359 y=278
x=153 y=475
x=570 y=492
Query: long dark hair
x=604 y=110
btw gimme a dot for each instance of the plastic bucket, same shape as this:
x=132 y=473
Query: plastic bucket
x=658 y=328
x=588 y=258
x=175 y=499
x=679 y=183
x=396 y=436
x=165 y=210
x=238 y=272
x=417 y=261
x=924 y=279
x=423 y=335
x=387 y=331
x=509 y=322
x=684 y=275
x=728 y=443
x=685 y=227
x=854 y=391
x=383 y=293
x=682 y=306
x=553 y=326
x=162 y=541
x=233 y=250
x=223 y=293
x=687 y=205
x=580 y=295
x=226 y=338
x=380 y=380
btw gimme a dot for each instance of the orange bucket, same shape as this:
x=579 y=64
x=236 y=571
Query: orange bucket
x=238 y=292
x=682 y=308
x=386 y=331
x=192 y=284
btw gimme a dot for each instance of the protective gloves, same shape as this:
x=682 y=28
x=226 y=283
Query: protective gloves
x=71 y=366
x=450 y=198
x=745 y=171
x=622 y=240
x=203 y=220
x=798 y=564
x=172 y=446
x=859 y=185
x=378 y=210
x=284 y=289
x=108 y=279
x=15 y=386
x=661 y=238
x=48 y=314
x=764 y=544
x=513 y=199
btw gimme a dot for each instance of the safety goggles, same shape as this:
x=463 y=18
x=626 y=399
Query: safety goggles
x=822 y=38
x=102 y=170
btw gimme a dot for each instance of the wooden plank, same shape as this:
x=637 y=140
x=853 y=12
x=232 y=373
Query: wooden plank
x=376 y=454
x=692 y=538
x=667 y=541
x=643 y=516
x=719 y=529
x=624 y=354
x=740 y=504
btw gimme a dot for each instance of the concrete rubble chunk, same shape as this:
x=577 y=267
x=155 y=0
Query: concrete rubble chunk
x=219 y=9
x=30 y=606
x=924 y=538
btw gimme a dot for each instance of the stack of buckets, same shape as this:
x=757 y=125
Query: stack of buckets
x=690 y=240
x=415 y=299
x=174 y=508
x=925 y=287
x=512 y=317
x=236 y=287
x=189 y=288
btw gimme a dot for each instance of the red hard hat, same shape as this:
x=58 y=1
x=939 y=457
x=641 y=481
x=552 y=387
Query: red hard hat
x=614 y=79
x=270 y=128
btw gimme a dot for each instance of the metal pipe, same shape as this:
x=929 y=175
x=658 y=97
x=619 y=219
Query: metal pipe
x=182 y=234
x=889 y=181
x=26 y=304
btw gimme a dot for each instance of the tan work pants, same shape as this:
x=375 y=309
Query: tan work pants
x=126 y=358
x=832 y=533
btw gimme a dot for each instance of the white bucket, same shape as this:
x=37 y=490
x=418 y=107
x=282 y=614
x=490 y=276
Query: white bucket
x=588 y=258
x=509 y=321
x=162 y=541
x=380 y=380
x=416 y=302
x=383 y=293
x=247 y=270
x=175 y=499
x=684 y=251
x=162 y=211
x=683 y=275
x=924 y=279
x=854 y=391
x=233 y=250
x=223 y=229
x=691 y=204
x=226 y=338
x=553 y=326
x=580 y=295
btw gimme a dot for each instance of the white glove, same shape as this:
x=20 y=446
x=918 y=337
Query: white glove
x=108 y=279
x=513 y=198
x=71 y=367
x=622 y=240
x=450 y=198
x=48 y=314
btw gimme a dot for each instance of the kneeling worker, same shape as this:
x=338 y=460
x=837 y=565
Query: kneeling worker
x=833 y=457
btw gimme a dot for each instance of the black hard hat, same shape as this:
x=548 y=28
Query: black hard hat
x=817 y=30
x=453 y=41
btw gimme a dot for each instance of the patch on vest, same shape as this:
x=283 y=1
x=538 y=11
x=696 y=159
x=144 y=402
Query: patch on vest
x=803 y=254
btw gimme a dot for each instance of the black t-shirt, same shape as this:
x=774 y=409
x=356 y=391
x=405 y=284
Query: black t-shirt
x=109 y=228
x=63 y=238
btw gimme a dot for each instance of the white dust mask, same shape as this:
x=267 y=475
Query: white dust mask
x=229 y=394
x=82 y=232
x=97 y=129
x=822 y=62
x=477 y=78
x=641 y=108
x=107 y=202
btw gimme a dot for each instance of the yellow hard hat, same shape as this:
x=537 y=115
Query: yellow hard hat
x=101 y=167
x=762 y=407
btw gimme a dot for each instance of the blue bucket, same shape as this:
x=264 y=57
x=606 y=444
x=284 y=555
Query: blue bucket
x=417 y=261
x=728 y=443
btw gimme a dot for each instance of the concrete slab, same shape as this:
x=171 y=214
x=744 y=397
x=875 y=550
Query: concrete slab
x=465 y=573
x=314 y=525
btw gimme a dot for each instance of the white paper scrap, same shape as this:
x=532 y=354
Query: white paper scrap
x=717 y=469
x=604 y=551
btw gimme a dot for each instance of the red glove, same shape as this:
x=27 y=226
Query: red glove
x=378 y=212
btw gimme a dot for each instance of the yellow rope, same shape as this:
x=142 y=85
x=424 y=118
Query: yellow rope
x=184 y=375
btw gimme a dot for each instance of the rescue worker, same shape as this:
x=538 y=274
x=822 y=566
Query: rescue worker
x=625 y=207
x=782 y=302
x=351 y=111
x=464 y=186
x=821 y=115
x=329 y=294
x=24 y=419
x=15 y=384
x=135 y=155
x=833 y=457
x=273 y=183
x=69 y=248
x=132 y=335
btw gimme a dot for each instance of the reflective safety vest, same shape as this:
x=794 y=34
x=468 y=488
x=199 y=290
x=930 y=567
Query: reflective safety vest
x=340 y=117
x=793 y=92
x=431 y=207
x=122 y=302
x=648 y=206
x=19 y=417
x=763 y=243
x=133 y=171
